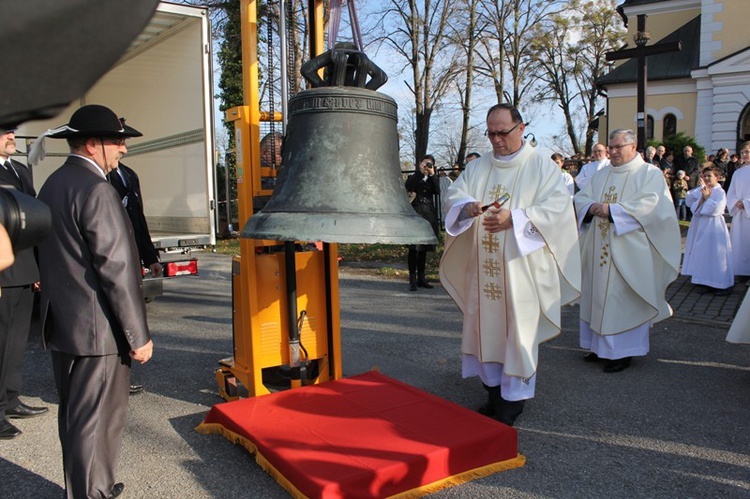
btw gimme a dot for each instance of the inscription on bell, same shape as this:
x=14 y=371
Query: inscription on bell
x=342 y=103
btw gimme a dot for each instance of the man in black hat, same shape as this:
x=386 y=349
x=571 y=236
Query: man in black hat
x=17 y=300
x=125 y=180
x=92 y=308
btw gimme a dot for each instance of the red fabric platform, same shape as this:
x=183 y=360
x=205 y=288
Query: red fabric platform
x=365 y=436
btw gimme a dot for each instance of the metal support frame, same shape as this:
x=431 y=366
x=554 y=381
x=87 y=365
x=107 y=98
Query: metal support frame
x=269 y=285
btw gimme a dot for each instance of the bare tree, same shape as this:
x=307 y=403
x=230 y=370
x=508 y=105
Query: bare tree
x=507 y=37
x=465 y=35
x=569 y=53
x=417 y=31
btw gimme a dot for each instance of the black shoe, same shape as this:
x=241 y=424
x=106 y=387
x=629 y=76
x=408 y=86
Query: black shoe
x=617 y=365
x=116 y=491
x=509 y=411
x=592 y=357
x=424 y=284
x=723 y=292
x=135 y=389
x=412 y=286
x=24 y=411
x=7 y=430
x=493 y=396
x=487 y=410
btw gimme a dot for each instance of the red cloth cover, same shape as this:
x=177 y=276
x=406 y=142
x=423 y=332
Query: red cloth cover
x=365 y=436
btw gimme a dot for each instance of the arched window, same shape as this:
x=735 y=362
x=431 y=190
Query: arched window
x=743 y=128
x=649 y=127
x=670 y=126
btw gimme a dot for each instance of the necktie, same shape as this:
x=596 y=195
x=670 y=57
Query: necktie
x=9 y=166
x=122 y=177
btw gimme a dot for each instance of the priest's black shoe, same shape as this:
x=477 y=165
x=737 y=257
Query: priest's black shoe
x=617 y=365
x=509 y=411
x=116 y=491
x=424 y=284
x=134 y=389
x=592 y=357
x=7 y=430
x=24 y=411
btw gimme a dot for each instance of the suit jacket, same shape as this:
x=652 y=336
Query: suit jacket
x=24 y=270
x=92 y=295
x=133 y=203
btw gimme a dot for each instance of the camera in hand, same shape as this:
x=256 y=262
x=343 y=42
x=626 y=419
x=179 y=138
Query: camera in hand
x=26 y=219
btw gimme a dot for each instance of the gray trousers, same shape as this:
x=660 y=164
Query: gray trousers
x=93 y=395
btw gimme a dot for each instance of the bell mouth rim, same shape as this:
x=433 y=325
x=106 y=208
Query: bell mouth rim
x=345 y=228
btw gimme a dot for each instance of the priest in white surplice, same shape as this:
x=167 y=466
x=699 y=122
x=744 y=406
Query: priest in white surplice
x=509 y=268
x=599 y=155
x=738 y=202
x=630 y=252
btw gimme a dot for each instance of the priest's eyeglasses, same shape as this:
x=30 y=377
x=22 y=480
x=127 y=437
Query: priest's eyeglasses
x=620 y=146
x=493 y=135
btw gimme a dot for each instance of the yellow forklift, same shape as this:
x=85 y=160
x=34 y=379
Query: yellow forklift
x=339 y=182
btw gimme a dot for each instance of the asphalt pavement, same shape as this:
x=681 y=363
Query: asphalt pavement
x=673 y=425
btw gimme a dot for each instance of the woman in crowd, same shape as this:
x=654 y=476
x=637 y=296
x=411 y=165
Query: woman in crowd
x=425 y=185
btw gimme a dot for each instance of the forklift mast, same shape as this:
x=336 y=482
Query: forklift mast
x=276 y=347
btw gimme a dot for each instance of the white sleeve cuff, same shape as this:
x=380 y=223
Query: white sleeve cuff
x=454 y=225
x=527 y=235
x=623 y=221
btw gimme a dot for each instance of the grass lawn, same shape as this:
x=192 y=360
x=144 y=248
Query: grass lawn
x=382 y=259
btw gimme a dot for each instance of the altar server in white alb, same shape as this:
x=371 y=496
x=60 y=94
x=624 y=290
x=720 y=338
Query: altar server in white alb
x=630 y=252
x=509 y=267
x=739 y=332
x=708 y=251
x=738 y=202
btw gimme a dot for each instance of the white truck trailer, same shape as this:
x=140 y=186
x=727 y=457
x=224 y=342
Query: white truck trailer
x=163 y=87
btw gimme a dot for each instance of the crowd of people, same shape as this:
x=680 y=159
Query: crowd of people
x=703 y=194
x=93 y=317
x=515 y=251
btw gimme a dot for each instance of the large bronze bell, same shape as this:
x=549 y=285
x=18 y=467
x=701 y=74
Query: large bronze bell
x=340 y=179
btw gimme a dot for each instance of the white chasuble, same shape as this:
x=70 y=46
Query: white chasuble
x=627 y=265
x=510 y=285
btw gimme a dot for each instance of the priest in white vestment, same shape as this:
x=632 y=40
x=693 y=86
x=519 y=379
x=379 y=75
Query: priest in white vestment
x=739 y=332
x=509 y=268
x=738 y=202
x=599 y=154
x=630 y=252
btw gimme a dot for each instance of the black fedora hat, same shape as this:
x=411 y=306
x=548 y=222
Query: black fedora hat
x=129 y=130
x=94 y=121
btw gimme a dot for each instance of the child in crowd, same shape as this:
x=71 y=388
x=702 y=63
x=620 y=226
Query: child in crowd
x=567 y=177
x=708 y=250
x=679 y=191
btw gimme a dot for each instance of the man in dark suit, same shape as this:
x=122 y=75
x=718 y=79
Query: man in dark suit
x=125 y=180
x=128 y=186
x=92 y=308
x=16 y=302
